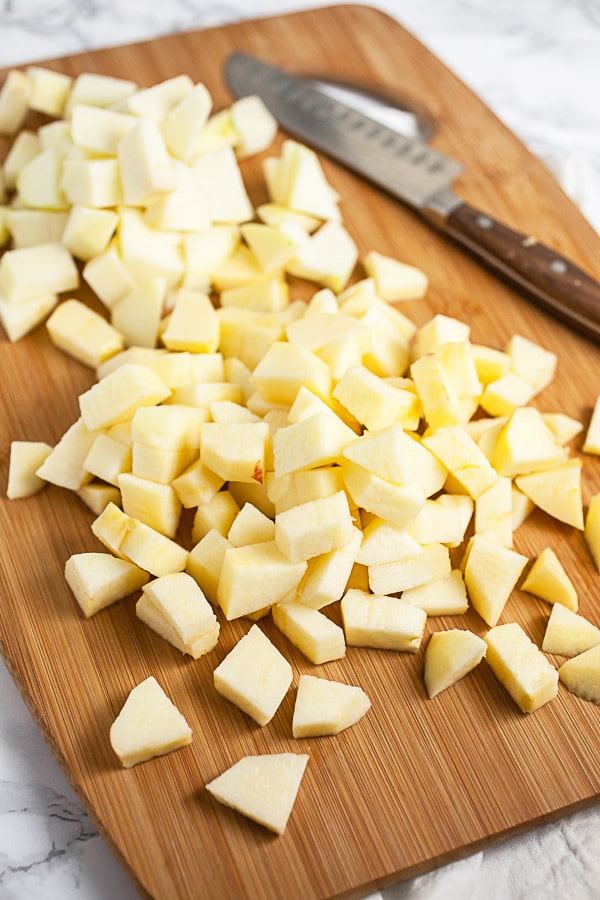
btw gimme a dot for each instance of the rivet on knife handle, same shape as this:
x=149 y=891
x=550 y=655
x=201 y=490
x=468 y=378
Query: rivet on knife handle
x=554 y=282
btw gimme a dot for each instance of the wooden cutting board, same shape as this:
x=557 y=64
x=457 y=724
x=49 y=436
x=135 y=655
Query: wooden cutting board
x=416 y=783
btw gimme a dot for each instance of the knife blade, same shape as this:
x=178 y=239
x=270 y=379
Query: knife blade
x=420 y=176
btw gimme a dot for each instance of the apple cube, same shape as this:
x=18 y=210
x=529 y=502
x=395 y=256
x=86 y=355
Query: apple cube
x=449 y=656
x=399 y=504
x=328 y=257
x=395 y=280
x=318 y=638
x=151 y=502
x=108 y=277
x=26 y=457
x=116 y=397
x=183 y=124
x=285 y=368
x=532 y=363
x=18 y=319
x=591 y=443
x=254 y=676
x=327 y=574
x=440 y=402
x=463 y=458
x=445 y=596
x=443 y=520
x=568 y=633
x=491 y=572
x=547 y=579
x=31 y=272
x=384 y=542
x=160 y=465
x=557 y=490
x=223 y=186
x=38 y=181
x=236 y=451
x=179 y=598
x=525 y=444
x=381 y=621
x=563 y=427
x=24 y=148
x=254 y=577
x=592 y=529
x=205 y=562
x=250 y=526
x=429 y=564
x=205 y=251
x=98 y=130
x=98 y=90
x=297 y=181
x=262 y=788
x=65 y=464
x=520 y=667
x=396 y=456
x=581 y=675
x=108 y=458
x=493 y=513
x=217 y=513
x=375 y=403
x=98 y=580
x=193 y=324
x=314 y=527
x=507 y=393
x=28 y=227
x=440 y=329
x=167 y=427
x=82 y=333
x=310 y=443
x=151 y=550
x=148 y=725
x=49 y=90
x=325 y=707
x=196 y=485
x=15 y=95
x=97 y=495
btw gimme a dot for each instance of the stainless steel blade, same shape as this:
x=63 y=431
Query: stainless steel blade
x=407 y=168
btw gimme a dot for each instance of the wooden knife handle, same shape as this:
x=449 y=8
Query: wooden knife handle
x=553 y=281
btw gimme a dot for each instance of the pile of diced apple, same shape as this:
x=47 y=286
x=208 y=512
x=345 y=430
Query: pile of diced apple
x=328 y=453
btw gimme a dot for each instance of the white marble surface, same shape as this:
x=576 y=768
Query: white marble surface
x=537 y=65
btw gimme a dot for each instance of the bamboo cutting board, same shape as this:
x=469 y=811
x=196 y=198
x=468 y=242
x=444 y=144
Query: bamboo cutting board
x=416 y=783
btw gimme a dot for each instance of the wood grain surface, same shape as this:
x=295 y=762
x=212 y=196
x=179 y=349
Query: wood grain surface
x=416 y=783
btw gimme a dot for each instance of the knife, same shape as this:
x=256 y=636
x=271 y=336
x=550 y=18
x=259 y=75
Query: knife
x=420 y=176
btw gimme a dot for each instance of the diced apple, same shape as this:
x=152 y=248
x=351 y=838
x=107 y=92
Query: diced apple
x=548 y=579
x=28 y=227
x=568 y=633
x=183 y=123
x=108 y=458
x=227 y=198
x=312 y=442
x=250 y=526
x=314 y=527
x=507 y=393
x=99 y=130
x=591 y=443
x=531 y=362
x=180 y=599
x=444 y=520
x=440 y=329
x=381 y=621
x=217 y=513
x=97 y=495
x=205 y=562
x=108 y=277
x=148 y=725
x=98 y=580
x=491 y=572
x=445 y=596
x=520 y=667
x=26 y=457
x=581 y=675
x=235 y=451
x=325 y=707
x=254 y=124
x=196 y=485
x=254 y=577
x=49 y=90
x=262 y=788
x=557 y=490
x=254 y=675
x=193 y=324
x=19 y=319
x=98 y=90
x=31 y=272
x=327 y=574
x=525 y=444
x=493 y=513
x=318 y=638
x=82 y=333
x=151 y=502
x=430 y=563
x=592 y=529
x=463 y=458
x=88 y=231
x=116 y=397
x=65 y=464
x=449 y=656
x=15 y=95
x=395 y=280
x=328 y=257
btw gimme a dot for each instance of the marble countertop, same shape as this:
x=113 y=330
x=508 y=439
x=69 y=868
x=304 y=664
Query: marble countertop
x=537 y=66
